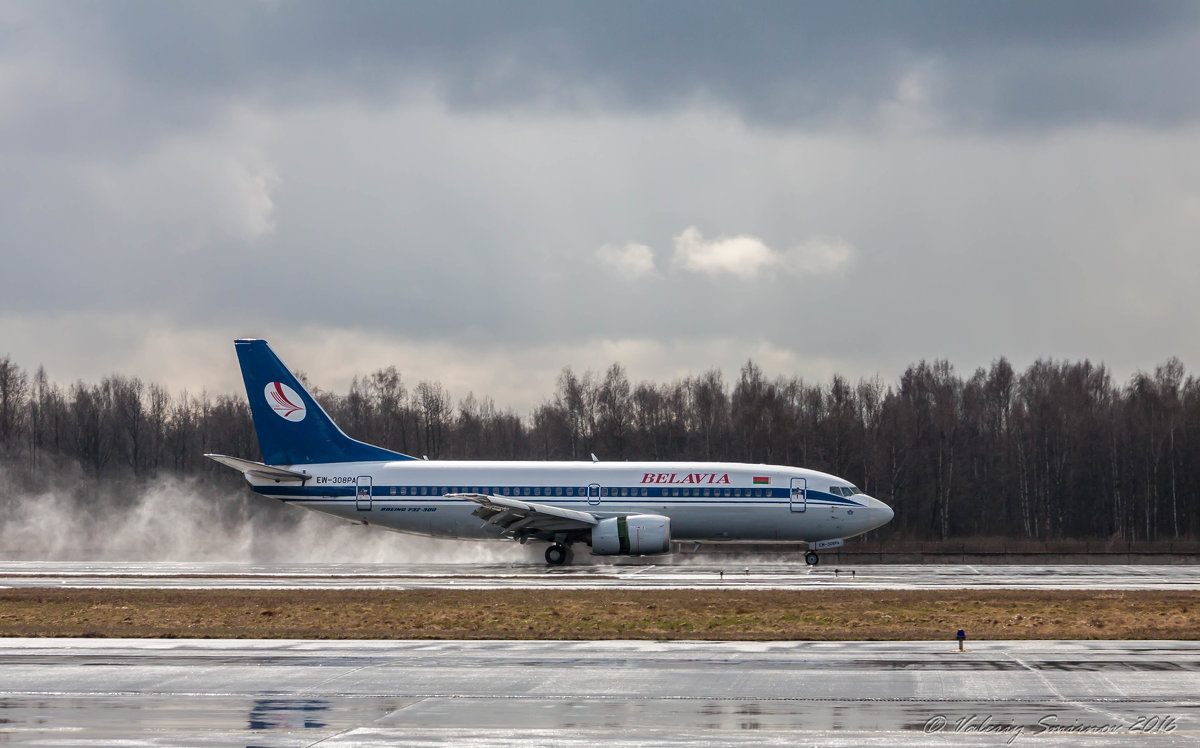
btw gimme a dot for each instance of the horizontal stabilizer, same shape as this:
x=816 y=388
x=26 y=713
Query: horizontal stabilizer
x=259 y=470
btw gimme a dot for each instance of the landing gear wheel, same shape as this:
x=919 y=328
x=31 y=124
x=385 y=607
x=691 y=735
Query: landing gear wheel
x=558 y=554
x=810 y=558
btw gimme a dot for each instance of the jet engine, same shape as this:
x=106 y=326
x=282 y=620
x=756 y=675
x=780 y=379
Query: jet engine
x=635 y=535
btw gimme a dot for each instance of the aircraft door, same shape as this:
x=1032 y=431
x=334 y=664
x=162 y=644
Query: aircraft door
x=593 y=493
x=799 y=500
x=362 y=493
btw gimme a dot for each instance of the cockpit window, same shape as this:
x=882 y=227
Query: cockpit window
x=845 y=490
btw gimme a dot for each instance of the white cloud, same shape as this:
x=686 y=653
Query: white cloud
x=631 y=259
x=748 y=256
x=820 y=255
x=743 y=256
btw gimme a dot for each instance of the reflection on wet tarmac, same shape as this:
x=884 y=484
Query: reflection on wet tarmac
x=284 y=693
x=149 y=719
x=287 y=714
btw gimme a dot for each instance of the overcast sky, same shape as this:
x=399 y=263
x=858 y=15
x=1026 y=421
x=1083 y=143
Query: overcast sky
x=481 y=193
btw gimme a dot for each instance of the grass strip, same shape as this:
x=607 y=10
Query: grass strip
x=586 y=614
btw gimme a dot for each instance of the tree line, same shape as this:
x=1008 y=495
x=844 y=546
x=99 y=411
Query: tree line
x=1057 y=451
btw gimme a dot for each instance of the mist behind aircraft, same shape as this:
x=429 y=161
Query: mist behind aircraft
x=185 y=520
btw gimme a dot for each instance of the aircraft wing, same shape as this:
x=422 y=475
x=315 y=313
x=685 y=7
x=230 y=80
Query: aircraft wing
x=258 y=469
x=527 y=517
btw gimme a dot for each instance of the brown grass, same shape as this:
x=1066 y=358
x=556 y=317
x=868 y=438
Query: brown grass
x=577 y=614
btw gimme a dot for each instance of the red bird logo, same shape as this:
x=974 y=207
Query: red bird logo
x=284 y=401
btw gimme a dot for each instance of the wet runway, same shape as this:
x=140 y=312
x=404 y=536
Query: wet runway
x=199 y=575
x=293 y=693
x=347 y=693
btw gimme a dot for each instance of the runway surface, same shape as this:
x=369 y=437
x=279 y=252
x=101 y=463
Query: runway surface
x=753 y=576
x=292 y=693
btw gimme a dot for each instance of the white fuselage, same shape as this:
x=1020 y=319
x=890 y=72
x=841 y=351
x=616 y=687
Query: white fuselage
x=705 y=501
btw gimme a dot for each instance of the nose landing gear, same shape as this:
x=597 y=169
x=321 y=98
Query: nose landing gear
x=558 y=554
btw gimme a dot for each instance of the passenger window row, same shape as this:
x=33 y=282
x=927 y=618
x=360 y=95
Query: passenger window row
x=613 y=492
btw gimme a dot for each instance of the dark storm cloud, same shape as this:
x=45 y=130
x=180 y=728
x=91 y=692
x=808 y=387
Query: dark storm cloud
x=777 y=64
x=439 y=180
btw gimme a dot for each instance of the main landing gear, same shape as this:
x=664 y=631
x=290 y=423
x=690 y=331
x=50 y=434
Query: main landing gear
x=810 y=558
x=558 y=554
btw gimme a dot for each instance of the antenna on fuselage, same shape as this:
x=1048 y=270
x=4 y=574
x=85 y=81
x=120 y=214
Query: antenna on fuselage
x=594 y=457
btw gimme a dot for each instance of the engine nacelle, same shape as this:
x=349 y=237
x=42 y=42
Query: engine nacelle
x=635 y=535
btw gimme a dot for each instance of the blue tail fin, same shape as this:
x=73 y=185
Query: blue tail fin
x=292 y=428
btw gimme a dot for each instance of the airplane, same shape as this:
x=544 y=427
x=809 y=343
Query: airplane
x=616 y=508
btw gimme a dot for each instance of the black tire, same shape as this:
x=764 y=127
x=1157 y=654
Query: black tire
x=557 y=555
x=811 y=558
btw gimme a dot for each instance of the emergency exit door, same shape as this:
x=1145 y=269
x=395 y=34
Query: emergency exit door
x=362 y=493
x=799 y=500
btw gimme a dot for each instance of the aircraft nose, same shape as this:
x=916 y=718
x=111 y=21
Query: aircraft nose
x=881 y=512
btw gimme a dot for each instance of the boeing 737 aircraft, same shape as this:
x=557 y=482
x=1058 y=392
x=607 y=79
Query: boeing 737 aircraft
x=616 y=508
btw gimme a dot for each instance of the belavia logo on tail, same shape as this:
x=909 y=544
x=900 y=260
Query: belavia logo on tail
x=284 y=401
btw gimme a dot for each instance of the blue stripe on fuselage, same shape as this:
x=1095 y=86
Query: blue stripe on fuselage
x=654 y=495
